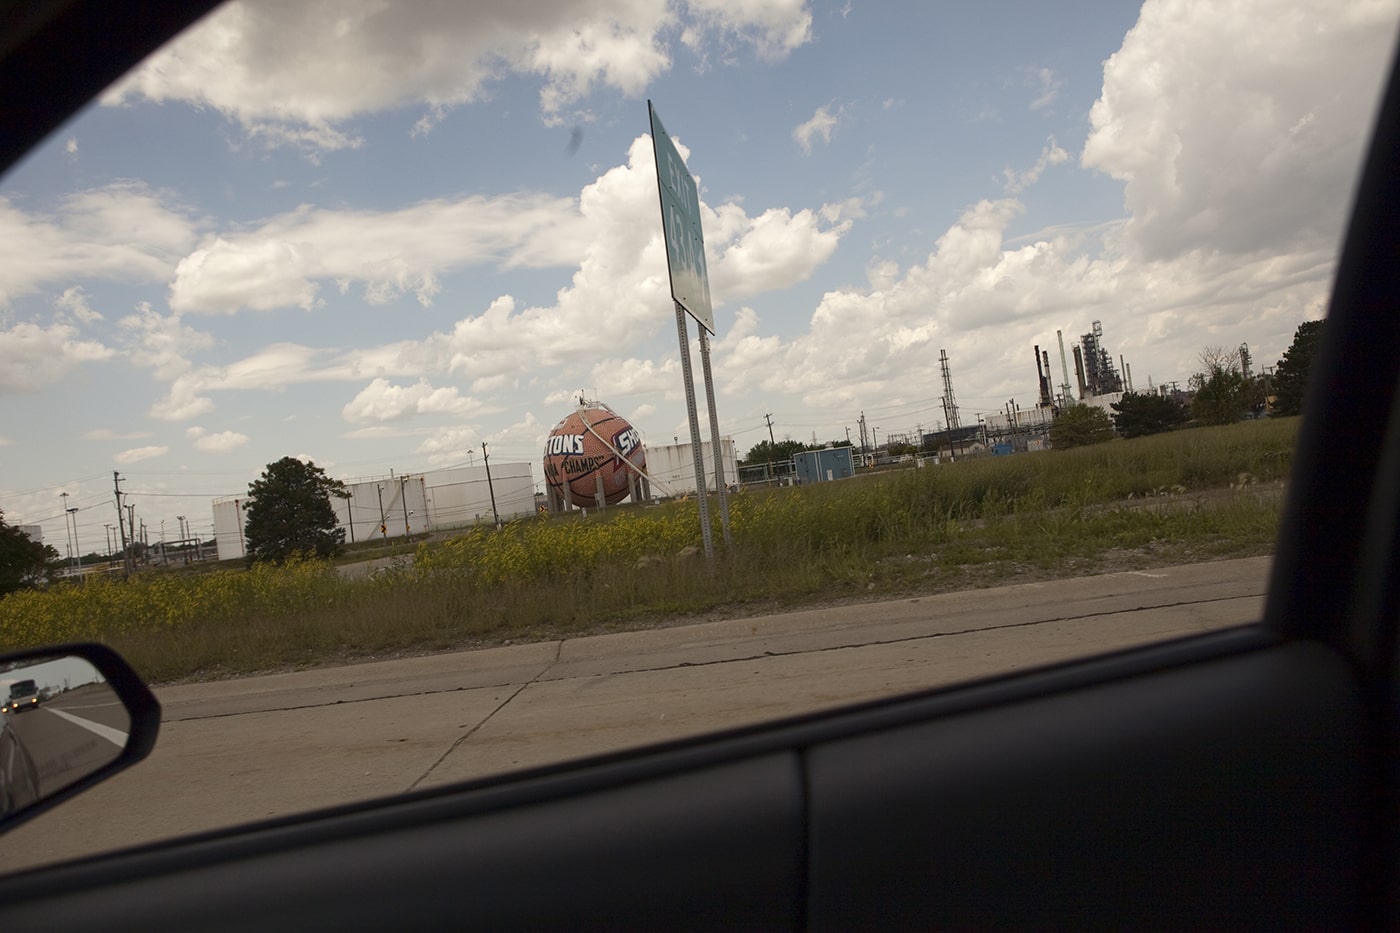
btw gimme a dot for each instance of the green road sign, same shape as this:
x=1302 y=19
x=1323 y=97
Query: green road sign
x=680 y=222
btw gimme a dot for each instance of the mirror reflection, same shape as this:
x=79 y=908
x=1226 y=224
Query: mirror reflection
x=61 y=722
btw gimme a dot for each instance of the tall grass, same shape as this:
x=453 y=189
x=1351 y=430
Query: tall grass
x=942 y=526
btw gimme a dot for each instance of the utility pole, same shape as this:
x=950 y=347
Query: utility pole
x=492 y=489
x=131 y=527
x=772 y=444
x=126 y=555
x=383 y=524
x=404 y=499
x=67 y=535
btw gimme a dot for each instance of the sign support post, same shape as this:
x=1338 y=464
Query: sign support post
x=690 y=291
x=720 y=486
x=702 y=499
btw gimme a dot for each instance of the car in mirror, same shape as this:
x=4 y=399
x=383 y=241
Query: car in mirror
x=73 y=715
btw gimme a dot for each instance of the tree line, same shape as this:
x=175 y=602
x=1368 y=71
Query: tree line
x=1221 y=393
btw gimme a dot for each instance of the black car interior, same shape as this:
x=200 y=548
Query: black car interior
x=1235 y=780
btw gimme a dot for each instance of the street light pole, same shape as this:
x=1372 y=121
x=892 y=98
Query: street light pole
x=77 y=561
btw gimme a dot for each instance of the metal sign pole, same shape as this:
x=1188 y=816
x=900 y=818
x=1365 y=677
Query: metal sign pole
x=715 y=446
x=688 y=376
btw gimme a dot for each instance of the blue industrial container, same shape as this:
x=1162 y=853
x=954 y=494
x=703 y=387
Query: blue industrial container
x=818 y=466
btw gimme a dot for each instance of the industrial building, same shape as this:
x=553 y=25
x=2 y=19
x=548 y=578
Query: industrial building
x=395 y=506
x=671 y=468
x=829 y=463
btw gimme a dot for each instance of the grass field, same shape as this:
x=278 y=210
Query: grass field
x=1120 y=505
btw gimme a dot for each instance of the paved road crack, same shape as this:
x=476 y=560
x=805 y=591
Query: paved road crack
x=558 y=649
x=767 y=653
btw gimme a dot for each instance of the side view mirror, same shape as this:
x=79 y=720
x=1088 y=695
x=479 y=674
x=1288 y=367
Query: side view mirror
x=72 y=716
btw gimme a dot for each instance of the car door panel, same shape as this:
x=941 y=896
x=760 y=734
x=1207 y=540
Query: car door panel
x=1138 y=790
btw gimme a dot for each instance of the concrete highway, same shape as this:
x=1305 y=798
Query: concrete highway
x=242 y=750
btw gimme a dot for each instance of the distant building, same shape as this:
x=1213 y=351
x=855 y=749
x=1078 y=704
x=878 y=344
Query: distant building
x=819 y=466
x=671 y=468
x=395 y=506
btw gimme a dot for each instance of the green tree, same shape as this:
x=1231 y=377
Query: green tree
x=1223 y=394
x=24 y=562
x=289 y=512
x=1080 y=426
x=1139 y=415
x=766 y=452
x=1291 y=377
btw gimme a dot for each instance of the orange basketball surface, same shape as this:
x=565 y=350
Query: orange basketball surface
x=588 y=445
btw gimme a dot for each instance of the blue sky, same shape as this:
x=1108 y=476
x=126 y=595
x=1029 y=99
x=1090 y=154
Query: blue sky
x=381 y=241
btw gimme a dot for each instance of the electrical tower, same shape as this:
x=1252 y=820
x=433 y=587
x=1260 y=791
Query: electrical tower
x=950 y=404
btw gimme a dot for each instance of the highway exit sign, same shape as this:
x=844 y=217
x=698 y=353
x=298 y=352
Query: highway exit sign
x=680 y=222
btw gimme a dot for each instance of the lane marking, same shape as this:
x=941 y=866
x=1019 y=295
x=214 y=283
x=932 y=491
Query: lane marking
x=115 y=736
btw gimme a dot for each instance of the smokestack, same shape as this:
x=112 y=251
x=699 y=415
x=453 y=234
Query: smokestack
x=1064 y=367
x=1042 y=384
x=1079 y=370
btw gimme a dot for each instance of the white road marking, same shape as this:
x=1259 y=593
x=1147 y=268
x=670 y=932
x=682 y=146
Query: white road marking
x=115 y=736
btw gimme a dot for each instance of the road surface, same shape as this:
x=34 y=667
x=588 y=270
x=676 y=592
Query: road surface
x=70 y=737
x=242 y=750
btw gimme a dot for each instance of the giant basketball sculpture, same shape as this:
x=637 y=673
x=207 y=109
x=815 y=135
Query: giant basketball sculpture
x=594 y=443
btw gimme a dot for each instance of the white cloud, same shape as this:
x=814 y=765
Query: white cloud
x=1239 y=146
x=986 y=301
x=107 y=434
x=274 y=67
x=383 y=401
x=122 y=233
x=161 y=343
x=777 y=249
x=451 y=445
x=388 y=254
x=1051 y=154
x=71 y=146
x=820 y=125
x=775 y=28
x=74 y=301
x=617 y=379
x=611 y=235
x=32 y=356
x=1048 y=86
x=220 y=443
x=137 y=454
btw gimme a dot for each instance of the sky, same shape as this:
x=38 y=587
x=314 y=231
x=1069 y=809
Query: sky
x=380 y=235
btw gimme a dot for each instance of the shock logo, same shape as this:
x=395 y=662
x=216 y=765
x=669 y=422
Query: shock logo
x=625 y=442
